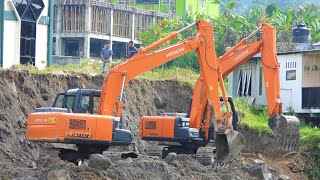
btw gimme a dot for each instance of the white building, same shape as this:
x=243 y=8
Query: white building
x=26 y=32
x=299 y=81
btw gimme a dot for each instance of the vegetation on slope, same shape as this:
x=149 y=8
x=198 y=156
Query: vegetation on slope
x=256 y=119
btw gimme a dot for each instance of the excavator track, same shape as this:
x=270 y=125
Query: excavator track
x=206 y=155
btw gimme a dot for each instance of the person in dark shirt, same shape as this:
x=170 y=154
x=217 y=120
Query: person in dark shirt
x=106 y=54
x=131 y=49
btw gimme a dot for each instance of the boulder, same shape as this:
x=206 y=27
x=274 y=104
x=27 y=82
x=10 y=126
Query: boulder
x=259 y=170
x=170 y=157
x=99 y=162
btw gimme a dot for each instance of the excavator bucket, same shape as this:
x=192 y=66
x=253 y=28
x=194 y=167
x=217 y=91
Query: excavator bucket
x=286 y=129
x=229 y=145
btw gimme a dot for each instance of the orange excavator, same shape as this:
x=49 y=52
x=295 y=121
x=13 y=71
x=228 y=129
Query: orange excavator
x=90 y=118
x=199 y=128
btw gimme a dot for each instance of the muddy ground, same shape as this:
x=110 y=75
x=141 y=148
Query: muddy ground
x=21 y=93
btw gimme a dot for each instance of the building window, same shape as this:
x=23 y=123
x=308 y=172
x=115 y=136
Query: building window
x=309 y=98
x=72 y=48
x=147 y=1
x=29 y=12
x=291 y=65
x=291 y=75
x=124 y=2
x=166 y=1
x=260 y=81
x=244 y=83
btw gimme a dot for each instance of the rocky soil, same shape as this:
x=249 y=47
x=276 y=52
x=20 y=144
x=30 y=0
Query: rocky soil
x=21 y=93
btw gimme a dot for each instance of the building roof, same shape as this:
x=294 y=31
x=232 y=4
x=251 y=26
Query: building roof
x=317 y=44
x=302 y=51
x=314 y=51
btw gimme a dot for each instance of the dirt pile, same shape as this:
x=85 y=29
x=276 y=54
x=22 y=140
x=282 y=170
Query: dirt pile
x=21 y=93
x=152 y=167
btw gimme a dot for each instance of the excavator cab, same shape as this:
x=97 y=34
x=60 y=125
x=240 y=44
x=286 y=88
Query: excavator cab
x=78 y=100
x=75 y=101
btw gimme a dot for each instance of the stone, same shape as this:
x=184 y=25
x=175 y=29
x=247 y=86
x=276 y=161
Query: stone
x=258 y=161
x=244 y=163
x=58 y=174
x=170 y=157
x=260 y=156
x=259 y=170
x=32 y=165
x=284 y=177
x=271 y=176
x=99 y=162
x=227 y=177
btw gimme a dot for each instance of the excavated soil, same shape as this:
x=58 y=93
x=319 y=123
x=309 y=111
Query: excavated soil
x=21 y=93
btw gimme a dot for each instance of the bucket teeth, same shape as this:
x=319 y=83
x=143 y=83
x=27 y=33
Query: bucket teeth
x=286 y=129
x=229 y=145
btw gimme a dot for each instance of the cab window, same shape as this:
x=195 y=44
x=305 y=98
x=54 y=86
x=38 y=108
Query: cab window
x=96 y=100
x=58 y=101
x=70 y=100
x=84 y=103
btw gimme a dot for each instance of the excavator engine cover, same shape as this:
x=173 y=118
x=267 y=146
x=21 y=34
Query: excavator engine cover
x=286 y=129
x=229 y=145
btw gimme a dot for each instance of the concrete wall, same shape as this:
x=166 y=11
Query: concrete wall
x=311 y=76
x=41 y=46
x=208 y=8
x=11 y=39
x=291 y=90
x=11 y=43
x=65 y=60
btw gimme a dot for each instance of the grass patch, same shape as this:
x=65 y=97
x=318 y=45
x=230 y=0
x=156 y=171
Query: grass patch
x=253 y=117
x=86 y=67
x=310 y=136
x=183 y=75
x=256 y=119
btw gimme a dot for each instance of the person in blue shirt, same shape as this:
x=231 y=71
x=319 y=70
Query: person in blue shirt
x=106 y=54
x=131 y=49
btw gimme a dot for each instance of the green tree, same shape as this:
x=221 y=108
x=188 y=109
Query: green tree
x=271 y=8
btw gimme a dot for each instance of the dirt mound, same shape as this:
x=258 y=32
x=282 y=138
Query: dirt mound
x=21 y=93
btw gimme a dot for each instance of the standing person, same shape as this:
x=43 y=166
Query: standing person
x=131 y=49
x=106 y=54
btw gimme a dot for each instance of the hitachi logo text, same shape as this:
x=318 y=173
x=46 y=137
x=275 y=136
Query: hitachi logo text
x=175 y=52
x=241 y=55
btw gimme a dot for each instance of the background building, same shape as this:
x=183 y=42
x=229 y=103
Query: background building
x=26 y=32
x=178 y=7
x=82 y=27
x=299 y=81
